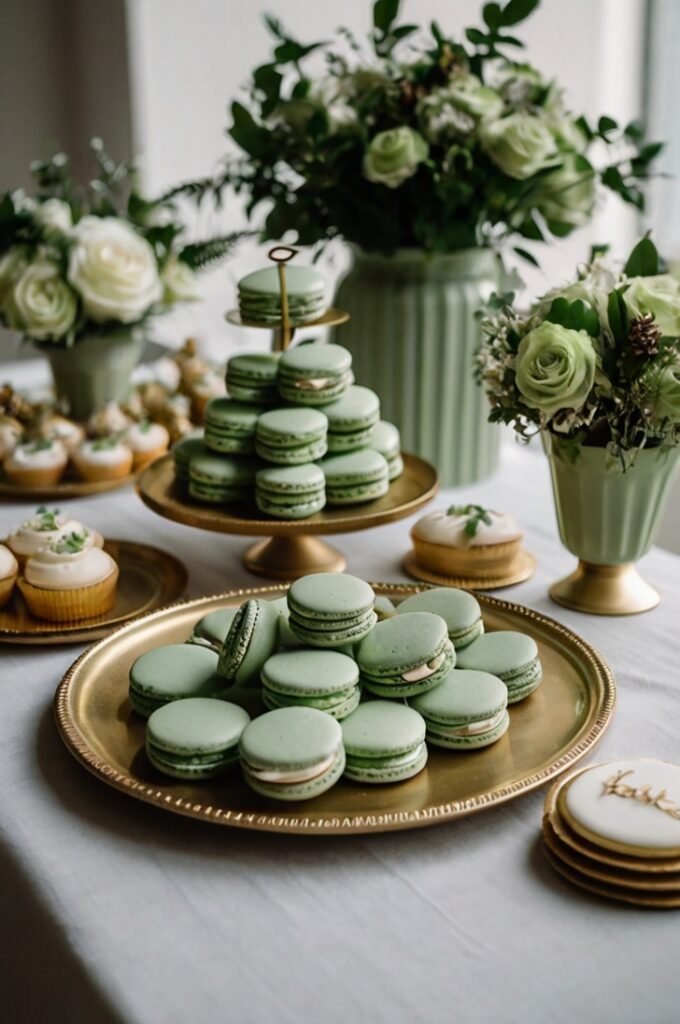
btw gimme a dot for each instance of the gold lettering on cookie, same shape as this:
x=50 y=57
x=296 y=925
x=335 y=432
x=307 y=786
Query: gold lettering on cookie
x=615 y=786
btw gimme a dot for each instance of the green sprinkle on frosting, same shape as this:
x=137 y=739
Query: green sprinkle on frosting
x=476 y=514
x=70 y=544
x=103 y=444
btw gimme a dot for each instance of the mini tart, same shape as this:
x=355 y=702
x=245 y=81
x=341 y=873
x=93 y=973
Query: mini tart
x=148 y=441
x=9 y=570
x=62 y=585
x=103 y=459
x=36 y=463
x=444 y=545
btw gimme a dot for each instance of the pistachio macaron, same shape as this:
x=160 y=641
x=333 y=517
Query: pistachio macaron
x=314 y=374
x=184 y=450
x=290 y=492
x=292 y=753
x=291 y=436
x=468 y=710
x=355 y=477
x=252 y=638
x=351 y=419
x=259 y=295
x=459 y=610
x=221 y=479
x=251 y=378
x=230 y=426
x=405 y=655
x=172 y=672
x=308 y=677
x=385 y=438
x=195 y=738
x=511 y=656
x=211 y=630
x=384 y=742
x=331 y=609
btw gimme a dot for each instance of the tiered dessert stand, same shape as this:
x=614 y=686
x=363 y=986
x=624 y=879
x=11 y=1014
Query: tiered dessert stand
x=292 y=547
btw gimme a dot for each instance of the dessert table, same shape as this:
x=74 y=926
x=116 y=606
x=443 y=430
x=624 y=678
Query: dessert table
x=113 y=911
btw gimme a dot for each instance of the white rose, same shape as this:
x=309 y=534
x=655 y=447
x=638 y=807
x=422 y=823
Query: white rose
x=54 y=214
x=393 y=156
x=114 y=269
x=520 y=144
x=11 y=266
x=658 y=295
x=42 y=305
x=179 y=281
x=567 y=194
x=469 y=94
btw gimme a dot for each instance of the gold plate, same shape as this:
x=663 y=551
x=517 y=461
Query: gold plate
x=607 y=858
x=610 y=891
x=331 y=318
x=149 y=578
x=558 y=724
x=68 y=487
x=522 y=568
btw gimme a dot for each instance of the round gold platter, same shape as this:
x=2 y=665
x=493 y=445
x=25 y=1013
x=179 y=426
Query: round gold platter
x=149 y=578
x=292 y=548
x=558 y=724
x=69 y=486
x=523 y=568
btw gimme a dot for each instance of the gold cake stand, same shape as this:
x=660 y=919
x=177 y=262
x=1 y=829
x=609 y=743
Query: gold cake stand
x=292 y=547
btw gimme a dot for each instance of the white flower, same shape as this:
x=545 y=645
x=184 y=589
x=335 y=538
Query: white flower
x=393 y=156
x=520 y=144
x=54 y=214
x=179 y=281
x=658 y=295
x=567 y=194
x=467 y=92
x=114 y=269
x=41 y=304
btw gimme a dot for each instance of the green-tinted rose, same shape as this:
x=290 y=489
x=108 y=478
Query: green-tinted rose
x=520 y=144
x=658 y=295
x=666 y=402
x=41 y=304
x=555 y=368
x=394 y=156
x=567 y=194
x=468 y=93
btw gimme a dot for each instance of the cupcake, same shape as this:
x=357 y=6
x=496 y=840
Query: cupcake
x=105 y=458
x=202 y=390
x=107 y=421
x=59 y=428
x=466 y=540
x=38 y=463
x=10 y=435
x=68 y=581
x=9 y=570
x=44 y=527
x=147 y=441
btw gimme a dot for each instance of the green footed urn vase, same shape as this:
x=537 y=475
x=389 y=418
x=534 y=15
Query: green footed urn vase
x=95 y=370
x=413 y=336
x=608 y=519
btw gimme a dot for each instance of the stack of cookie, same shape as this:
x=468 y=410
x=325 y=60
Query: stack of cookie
x=614 y=829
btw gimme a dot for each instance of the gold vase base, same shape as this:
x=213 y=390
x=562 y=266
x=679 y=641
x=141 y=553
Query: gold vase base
x=288 y=558
x=605 y=590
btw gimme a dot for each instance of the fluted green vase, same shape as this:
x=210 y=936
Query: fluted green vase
x=609 y=519
x=95 y=370
x=413 y=336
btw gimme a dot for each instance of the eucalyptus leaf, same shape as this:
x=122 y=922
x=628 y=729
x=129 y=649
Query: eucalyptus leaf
x=643 y=260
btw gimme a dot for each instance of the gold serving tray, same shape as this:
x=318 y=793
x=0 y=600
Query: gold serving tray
x=70 y=486
x=551 y=730
x=292 y=549
x=149 y=578
x=523 y=568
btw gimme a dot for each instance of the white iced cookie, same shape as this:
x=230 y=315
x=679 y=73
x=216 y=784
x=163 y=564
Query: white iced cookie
x=66 y=564
x=466 y=526
x=632 y=807
x=10 y=435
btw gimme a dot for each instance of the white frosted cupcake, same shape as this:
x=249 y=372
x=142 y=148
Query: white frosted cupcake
x=68 y=581
x=105 y=458
x=10 y=435
x=9 y=570
x=38 y=463
x=466 y=540
x=148 y=441
x=59 y=428
x=44 y=527
x=107 y=421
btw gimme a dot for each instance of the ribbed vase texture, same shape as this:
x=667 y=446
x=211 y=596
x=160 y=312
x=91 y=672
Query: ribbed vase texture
x=413 y=336
x=606 y=516
x=94 y=371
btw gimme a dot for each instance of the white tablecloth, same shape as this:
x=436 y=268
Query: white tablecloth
x=111 y=910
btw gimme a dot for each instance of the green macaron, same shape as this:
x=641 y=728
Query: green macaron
x=195 y=738
x=230 y=426
x=385 y=439
x=184 y=450
x=221 y=479
x=290 y=492
x=211 y=630
x=384 y=742
x=259 y=295
x=331 y=609
x=468 y=710
x=405 y=655
x=292 y=753
x=252 y=378
x=252 y=638
x=459 y=610
x=327 y=680
x=511 y=656
x=172 y=672
x=351 y=419
x=355 y=477
x=291 y=436
x=314 y=374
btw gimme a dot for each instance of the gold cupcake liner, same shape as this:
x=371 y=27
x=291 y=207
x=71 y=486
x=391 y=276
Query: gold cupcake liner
x=142 y=459
x=483 y=562
x=6 y=588
x=96 y=473
x=70 y=605
x=42 y=476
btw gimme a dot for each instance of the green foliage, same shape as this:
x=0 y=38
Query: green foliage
x=643 y=261
x=476 y=515
x=576 y=316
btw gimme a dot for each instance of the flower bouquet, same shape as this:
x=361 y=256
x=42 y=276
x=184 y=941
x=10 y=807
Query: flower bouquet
x=82 y=269
x=594 y=367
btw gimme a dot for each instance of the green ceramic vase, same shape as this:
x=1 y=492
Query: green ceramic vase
x=95 y=370
x=413 y=336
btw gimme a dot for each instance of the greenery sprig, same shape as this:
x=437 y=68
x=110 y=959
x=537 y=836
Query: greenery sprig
x=476 y=515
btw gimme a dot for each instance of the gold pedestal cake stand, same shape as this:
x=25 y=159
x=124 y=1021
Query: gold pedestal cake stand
x=292 y=547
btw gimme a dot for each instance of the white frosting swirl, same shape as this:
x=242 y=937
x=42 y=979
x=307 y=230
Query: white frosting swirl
x=440 y=527
x=38 y=455
x=58 y=428
x=147 y=437
x=66 y=570
x=8 y=563
x=106 y=455
x=29 y=538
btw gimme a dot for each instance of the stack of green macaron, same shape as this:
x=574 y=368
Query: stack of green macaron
x=259 y=295
x=420 y=674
